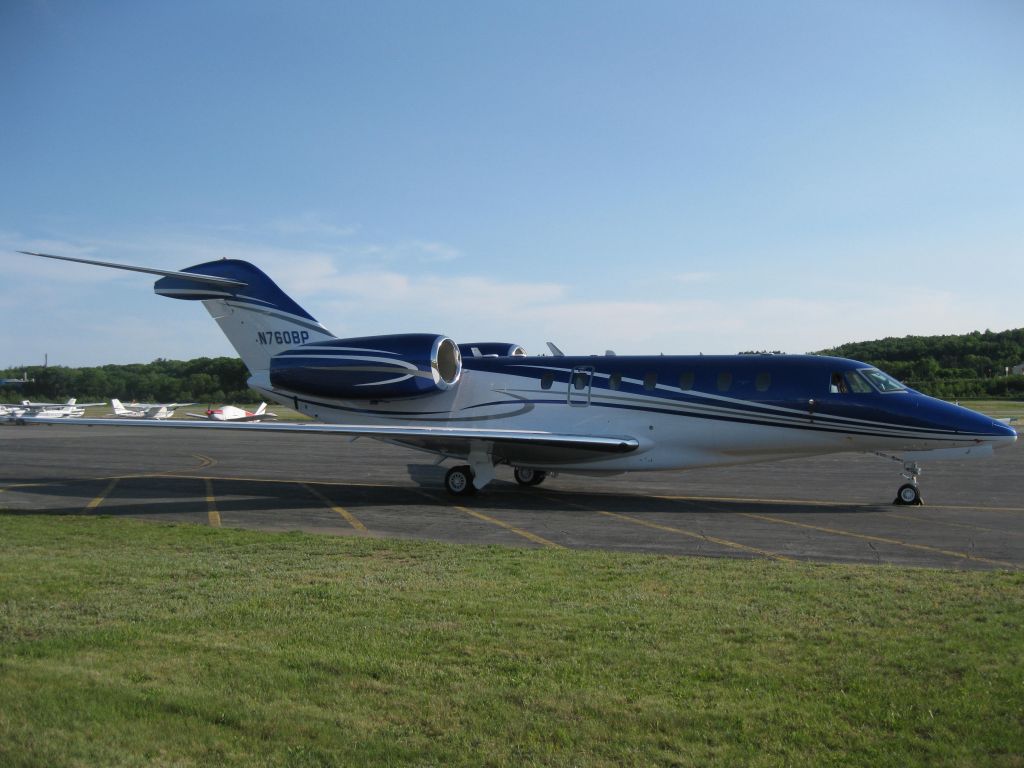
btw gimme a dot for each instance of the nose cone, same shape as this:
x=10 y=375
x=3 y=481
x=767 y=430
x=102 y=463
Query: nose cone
x=1005 y=435
x=970 y=423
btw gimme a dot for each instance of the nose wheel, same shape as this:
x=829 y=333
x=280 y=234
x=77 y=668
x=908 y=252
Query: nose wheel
x=909 y=494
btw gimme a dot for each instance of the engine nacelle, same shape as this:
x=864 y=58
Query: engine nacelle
x=492 y=349
x=371 y=367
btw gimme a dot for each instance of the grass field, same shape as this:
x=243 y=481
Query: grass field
x=999 y=409
x=131 y=643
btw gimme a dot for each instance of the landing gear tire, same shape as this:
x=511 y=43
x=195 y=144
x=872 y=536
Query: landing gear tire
x=459 y=481
x=529 y=476
x=908 y=495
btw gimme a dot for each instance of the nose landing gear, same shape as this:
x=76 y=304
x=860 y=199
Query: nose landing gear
x=909 y=494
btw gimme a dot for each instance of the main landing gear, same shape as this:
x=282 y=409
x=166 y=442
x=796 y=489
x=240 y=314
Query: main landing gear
x=529 y=476
x=459 y=480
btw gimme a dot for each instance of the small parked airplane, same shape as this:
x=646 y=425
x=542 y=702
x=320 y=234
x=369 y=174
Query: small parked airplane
x=72 y=409
x=489 y=404
x=145 y=410
x=234 y=413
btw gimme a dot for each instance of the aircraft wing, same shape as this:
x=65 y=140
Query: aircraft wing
x=510 y=444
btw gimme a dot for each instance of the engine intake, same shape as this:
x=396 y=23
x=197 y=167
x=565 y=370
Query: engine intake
x=370 y=367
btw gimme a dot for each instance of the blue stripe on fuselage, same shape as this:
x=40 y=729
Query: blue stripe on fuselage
x=754 y=387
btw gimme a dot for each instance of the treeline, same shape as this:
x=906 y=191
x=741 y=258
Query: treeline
x=203 y=380
x=969 y=365
x=950 y=367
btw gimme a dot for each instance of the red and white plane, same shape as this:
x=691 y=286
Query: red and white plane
x=234 y=413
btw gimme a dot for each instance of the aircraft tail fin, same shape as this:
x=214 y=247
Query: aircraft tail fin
x=261 y=410
x=259 y=319
x=117 y=406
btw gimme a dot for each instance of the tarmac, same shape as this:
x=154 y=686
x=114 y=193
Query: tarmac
x=834 y=509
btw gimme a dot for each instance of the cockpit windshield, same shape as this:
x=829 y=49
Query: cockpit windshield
x=855 y=383
x=883 y=382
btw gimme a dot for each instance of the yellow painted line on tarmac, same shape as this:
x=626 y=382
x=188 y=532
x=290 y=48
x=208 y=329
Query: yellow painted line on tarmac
x=696 y=535
x=204 y=461
x=14 y=486
x=508 y=527
x=882 y=540
x=351 y=519
x=93 y=505
x=968 y=526
x=735 y=500
x=816 y=503
x=211 y=505
x=684 y=532
x=974 y=508
x=500 y=523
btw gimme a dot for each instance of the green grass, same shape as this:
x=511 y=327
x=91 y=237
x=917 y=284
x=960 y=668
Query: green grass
x=128 y=643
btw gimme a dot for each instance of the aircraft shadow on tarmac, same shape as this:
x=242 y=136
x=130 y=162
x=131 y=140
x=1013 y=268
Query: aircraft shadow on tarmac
x=279 y=501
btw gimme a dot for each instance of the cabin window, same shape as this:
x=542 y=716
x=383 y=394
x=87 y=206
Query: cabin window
x=650 y=381
x=547 y=380
x=724 y=381
x=763 y=381
x=838 y=385
x=686 y=380
x=615 y=381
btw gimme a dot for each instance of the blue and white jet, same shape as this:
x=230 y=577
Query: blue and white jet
x=489 y=404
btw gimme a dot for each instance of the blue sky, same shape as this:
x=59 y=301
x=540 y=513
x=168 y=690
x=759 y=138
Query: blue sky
x=674 y=177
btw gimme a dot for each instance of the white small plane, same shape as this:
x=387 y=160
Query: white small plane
x=145 y=410
x=234 y=413
x=11 y=410
x=488 y=404
x=72 y=409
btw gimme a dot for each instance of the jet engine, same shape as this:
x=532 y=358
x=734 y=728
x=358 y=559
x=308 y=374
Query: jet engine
x=492 y=349
x=370 y=367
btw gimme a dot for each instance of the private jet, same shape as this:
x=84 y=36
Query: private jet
x=487 y=405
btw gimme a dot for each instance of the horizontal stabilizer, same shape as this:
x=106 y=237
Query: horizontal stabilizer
x=225 y=282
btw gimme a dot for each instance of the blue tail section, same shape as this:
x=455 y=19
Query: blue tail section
x=259 y=290
x=259 y=319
